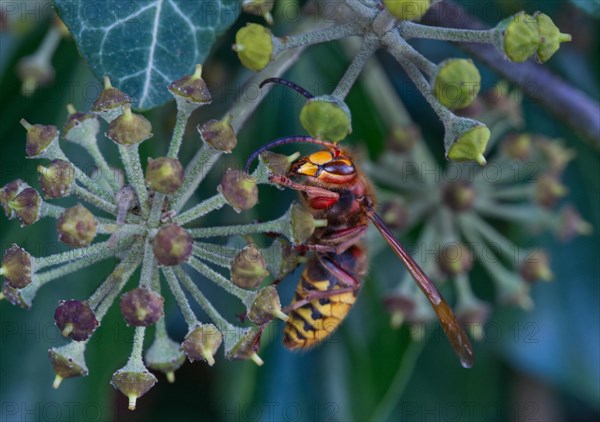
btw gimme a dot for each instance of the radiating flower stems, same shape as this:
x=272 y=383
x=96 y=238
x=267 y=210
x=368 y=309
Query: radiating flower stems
x=148 y=265
x=195 y=172
x=213 y=203
x=369 y=47
x=182 y=118
x=135 y=175
x=100 y=203
x=280 y=225
x=331 y=33
x=209 y=255
x=219 y=280
x=182 y=302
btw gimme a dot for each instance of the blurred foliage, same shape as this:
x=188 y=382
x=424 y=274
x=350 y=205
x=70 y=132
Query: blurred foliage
x=543 y=365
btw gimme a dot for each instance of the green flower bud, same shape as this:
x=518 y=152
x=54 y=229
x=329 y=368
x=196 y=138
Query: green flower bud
x=243 y=344
x=57 y=179
x=26 y=206
x=326 y=118
x=459 y=196
x=219 y=134
x=402 y=139
x=282 y=258
x=259 y=8
x=172 y=245
x=165 y=356
x=454 y=259
x=303 y=224
x=202 y=343
x=468 y=145
x=518 y=146
x=571 y=224
x=191 y=92
x=239 y=189
x=407 y=9
x=519 y=37
x=248 y=268
x=129 y=128
x=39 y=138
x=277 y=163
x=35 y=71
x=255 y=47
x=111 y=102
x=76 y=226
x=134 y=380
x=456 y=83
x=550 y=37
x=536 y=266
x=548 y=190
x=266 y=305
x=164 y=175
x=555 y=153
x=394 y=214
x=8 y=193
x=80 y=127
x=68 y=361
x=16 y=267
x=141 y=307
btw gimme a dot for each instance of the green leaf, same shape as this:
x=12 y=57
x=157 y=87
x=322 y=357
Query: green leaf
x=144 y=45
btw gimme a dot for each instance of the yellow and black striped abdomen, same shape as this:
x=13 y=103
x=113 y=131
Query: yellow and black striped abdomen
x=314 y=321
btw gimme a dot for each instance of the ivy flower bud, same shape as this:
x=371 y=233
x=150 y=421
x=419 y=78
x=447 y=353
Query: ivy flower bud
x=111 y=102
x=134 y=380
x=470 y=144
x=164 y=175
x=142 y=307
x=571 y=224
x=407 y=9
x=129 y=128
x=402 y=139
x=259 y=8
x=219 y=134
x=456 y=83
x=80 y=127
x=473 y=315
x=283 y=258
x=303 y=224
x=536 y=266
x=202 y=343
x=75 y=319
x=254 y=45
x=556 y=155
x=401 y=307
x=26 y=206
x=266 y=305
x=454 y=259
x=394 y=214
x=239 y=189
x=326 y=118
x=191 y=91
x=8 y=193
x=39 y=138
x=550 y=37
x=172 y=245
x=76 y=226
x=249 y=268
x=16 y=267
x=278 y=163
x=519 y=37
x=165 y=356
x=518 y=146
x=57 y=179
x=16 y=297
x=35 y=71
x=68 y=361
x=459 y=196
x=244 y=344
x=548 y=190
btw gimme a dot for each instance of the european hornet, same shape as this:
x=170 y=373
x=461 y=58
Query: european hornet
x=333 y=188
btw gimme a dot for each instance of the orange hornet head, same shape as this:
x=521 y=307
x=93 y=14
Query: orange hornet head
x=325 y=166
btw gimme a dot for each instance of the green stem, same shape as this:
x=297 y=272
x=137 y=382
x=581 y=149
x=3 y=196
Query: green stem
x=148 y=265
x=332 y=33
x=108 y=174
x=222 y=324
x=275 y=226
x=71 y=255
x=211 y=204
x=156 y=209
x=219 y=280
x=370 y=45
x=178 y=132
x=182 y=302
x=211 y=256
x=508 y=249
x=130 y=155
x=409 y=30
x=91 y=198
x=138 y=345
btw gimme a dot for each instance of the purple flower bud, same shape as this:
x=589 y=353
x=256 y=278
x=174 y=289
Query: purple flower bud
x=75 y=319
x=142 y=307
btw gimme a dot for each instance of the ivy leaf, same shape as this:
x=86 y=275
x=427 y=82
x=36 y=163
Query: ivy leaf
x=144 y=45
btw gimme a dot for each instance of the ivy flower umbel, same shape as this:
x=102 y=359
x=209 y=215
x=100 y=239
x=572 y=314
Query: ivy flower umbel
x=454 y=204
x=143 y=221
x=449 y=85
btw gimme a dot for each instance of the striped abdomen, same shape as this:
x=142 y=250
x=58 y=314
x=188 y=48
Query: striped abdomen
x=314 y=321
